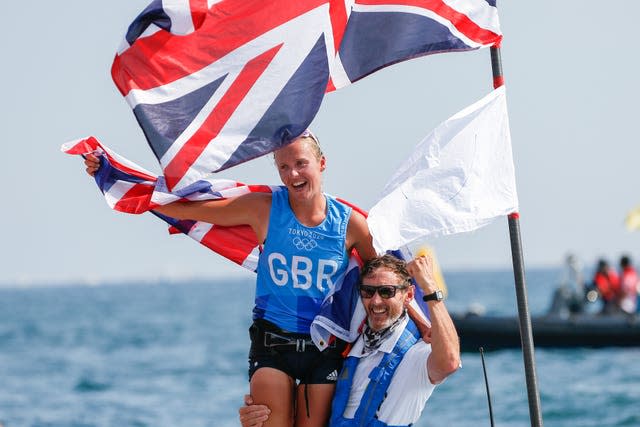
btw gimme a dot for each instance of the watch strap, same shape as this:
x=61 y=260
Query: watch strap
x=435 y=296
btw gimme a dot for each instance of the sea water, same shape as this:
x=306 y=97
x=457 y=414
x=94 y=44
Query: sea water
x=175 y=354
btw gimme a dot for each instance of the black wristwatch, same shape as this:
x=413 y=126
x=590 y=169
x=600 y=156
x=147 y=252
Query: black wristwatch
x=436 y=296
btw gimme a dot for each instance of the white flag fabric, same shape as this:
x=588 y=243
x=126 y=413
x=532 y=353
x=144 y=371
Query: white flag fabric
x=458 y=179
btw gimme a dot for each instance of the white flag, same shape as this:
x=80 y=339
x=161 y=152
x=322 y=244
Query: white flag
x=458 y=179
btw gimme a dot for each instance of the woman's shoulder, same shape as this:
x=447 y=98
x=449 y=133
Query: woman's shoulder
x=358 y=220
x=359 y=236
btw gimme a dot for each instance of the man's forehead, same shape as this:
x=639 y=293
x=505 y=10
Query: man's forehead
x=381 y=275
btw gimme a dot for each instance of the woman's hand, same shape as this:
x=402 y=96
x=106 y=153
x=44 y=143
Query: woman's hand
x=92 y=163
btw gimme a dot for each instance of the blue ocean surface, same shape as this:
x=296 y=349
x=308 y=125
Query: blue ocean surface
x=175 y=354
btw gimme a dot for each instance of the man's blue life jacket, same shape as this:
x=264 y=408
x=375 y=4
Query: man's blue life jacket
x=376 y=391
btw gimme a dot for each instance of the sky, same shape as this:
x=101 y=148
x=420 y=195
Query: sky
x=571 y=73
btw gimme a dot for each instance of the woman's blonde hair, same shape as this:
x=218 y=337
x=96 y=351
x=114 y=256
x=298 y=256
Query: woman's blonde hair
x=313 y=142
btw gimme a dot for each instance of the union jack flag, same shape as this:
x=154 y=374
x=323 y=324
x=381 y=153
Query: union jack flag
x=217 y=83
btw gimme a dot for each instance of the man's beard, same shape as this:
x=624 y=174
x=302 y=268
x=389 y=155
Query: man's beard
x=373 y=339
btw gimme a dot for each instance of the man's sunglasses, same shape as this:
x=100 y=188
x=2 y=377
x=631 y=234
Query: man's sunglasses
x=385 y=291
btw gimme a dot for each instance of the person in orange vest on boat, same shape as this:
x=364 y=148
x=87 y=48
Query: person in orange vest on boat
x=628 y=286
x=607 y=283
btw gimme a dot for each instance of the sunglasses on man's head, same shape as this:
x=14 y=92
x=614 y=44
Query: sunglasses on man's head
x=385 y=291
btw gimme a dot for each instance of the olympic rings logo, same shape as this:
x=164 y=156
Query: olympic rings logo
x=306 y=244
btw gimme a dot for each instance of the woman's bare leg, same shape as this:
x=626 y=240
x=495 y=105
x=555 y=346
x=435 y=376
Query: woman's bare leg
x=320 y=397
x=275 y=389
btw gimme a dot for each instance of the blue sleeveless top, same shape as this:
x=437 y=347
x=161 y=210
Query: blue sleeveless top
x=299 y=265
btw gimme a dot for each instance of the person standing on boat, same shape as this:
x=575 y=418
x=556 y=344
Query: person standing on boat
x=307 y=237
x=570 y=297
x=607 y=283
x=628 y=286
x=407 y=367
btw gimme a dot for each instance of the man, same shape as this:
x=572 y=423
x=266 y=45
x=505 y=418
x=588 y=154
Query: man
x=628 y=286
x=406 y=368
x=607 y=283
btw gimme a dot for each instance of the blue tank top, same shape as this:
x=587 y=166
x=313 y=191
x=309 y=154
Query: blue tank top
x=299 y=265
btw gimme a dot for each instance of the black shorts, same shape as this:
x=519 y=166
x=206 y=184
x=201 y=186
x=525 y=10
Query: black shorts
x=299 y=357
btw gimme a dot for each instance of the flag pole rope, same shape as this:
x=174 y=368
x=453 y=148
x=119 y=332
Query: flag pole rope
x=526 y=335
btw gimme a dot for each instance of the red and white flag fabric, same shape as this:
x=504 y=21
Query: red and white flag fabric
x=216 y=83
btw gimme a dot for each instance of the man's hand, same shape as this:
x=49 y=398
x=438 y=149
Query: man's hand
x=253 y=415
x=92 y=163
x=422 y=270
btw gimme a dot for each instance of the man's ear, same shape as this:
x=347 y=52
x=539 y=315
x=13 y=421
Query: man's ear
x=409 y=295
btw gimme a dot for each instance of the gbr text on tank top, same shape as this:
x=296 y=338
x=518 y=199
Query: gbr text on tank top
x=299 y=265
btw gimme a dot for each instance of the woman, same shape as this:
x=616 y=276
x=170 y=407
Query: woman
x=307 y=237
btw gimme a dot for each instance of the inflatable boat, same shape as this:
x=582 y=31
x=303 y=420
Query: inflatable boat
x=551 y=330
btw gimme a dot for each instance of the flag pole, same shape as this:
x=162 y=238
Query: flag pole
x=526 y=335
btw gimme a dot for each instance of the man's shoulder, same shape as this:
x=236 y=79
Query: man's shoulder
x=413 y=366
x=420 y=347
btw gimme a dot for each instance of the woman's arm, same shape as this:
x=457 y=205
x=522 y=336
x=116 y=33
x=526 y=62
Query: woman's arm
x=359 y=236
x=250 y=209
